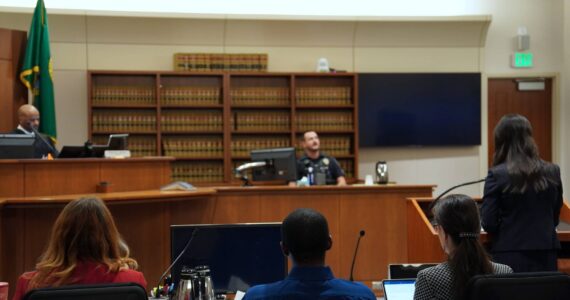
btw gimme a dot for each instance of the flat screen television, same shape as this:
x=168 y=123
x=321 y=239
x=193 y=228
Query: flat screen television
x=239 y=255
x=281 y=164
x=15 y=146
x=419 y=109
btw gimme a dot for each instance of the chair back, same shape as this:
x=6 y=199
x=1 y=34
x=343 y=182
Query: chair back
x=520 y=286
x=112 y=291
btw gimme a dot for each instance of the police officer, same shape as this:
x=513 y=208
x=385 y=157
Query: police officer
x=319 y=168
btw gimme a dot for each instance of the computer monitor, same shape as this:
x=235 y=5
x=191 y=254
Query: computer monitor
x=118 y=142
x=115 y=142
x=281 y=164
x=16 y=146
x=239 y=255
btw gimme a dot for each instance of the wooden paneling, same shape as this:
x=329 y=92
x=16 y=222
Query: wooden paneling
x=505 y=98
x=146 y=234
x=422 y=246
x=380 y=212
x=11 y=180
x=32 y=177
x=6 y=103
x=50 y=179
x=12 y=92
x=12 y=244
x=144 y=219
x=135 y=176
x=5 y=44
x=382 y=243
x=423 y=242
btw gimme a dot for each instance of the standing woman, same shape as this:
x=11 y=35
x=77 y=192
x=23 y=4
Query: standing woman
x=522 y=200
x=84 y=248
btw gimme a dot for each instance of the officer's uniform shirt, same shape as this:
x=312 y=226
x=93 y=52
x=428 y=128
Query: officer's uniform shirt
x=326 y=169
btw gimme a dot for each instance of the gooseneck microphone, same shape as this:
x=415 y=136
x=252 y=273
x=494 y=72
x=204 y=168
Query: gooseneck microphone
x=51 y=148
x=361 y=234
x=175 y=261
x=454 y=187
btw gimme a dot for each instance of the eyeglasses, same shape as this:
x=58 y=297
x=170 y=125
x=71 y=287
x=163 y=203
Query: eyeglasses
x=435 y=225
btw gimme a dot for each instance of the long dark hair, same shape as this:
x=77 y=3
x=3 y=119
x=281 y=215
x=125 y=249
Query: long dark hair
x=515 y=147
x=458 y=215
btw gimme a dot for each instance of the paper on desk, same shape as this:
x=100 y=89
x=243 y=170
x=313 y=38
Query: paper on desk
x=239 y=295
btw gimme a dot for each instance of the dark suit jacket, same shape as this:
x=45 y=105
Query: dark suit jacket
x=41 y=149
x=524 y=221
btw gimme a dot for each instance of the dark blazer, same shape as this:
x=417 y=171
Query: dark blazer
x=41 y=149
x=524 y=221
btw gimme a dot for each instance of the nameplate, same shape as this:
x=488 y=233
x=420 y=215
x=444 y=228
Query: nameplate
x=117 y=153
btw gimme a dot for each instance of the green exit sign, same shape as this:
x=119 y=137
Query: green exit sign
x=522 y=60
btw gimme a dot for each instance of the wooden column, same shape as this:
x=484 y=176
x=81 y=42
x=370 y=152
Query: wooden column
x=12 y=93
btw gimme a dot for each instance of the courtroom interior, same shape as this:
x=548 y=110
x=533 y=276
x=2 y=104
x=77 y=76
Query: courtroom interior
x=204 y=150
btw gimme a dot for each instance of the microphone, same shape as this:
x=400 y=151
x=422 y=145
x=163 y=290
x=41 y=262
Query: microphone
x=51 y=148
x=175 y=261
x=361 y=234
x=453 y=188
x=250 y=165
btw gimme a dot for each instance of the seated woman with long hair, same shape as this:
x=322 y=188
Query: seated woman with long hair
x=458 y=227
x=84 y=248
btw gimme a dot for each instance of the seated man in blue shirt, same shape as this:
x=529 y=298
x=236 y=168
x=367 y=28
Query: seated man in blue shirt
x=305 y=239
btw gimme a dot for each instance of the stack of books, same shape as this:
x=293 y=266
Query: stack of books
x=260 y=121
x=325 y=121
x=123 y=95
x=263 y=96
x=216 y=62
x=195 y=147
x=123 y=121
x=323 y=96
x=190 y=95
x=191 y=121
x=242 y=146
x=197 y=171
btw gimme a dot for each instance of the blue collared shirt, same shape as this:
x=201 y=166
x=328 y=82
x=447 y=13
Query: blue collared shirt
x=310 y=283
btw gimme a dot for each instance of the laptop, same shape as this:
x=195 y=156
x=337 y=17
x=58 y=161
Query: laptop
x=399 y=289
x=405 y=271
x=115 y=142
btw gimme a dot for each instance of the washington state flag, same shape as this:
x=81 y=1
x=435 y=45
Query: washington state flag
x=37 y=70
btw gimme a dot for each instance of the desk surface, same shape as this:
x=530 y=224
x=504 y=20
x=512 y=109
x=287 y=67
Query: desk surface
x=83 y=160
x=111 y=198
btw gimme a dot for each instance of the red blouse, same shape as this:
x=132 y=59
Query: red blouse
x=85 y=273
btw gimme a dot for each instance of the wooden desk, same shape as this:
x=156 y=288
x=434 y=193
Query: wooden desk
x=37 y=177
x=143 y=219
x=423 y=243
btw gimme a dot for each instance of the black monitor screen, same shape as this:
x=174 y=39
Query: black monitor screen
x=434 y=109
x=118 y=142
x=16 y=146
x=239 y=255
x=281 y=164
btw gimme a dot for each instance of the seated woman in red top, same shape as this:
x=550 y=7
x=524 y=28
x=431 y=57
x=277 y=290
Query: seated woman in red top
x=84 y=248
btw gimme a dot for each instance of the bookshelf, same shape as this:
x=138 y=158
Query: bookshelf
x=211 y=121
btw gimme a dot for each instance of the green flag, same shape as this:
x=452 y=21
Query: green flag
x=37 y=70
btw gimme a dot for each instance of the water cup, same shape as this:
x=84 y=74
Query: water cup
x=368 y=180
